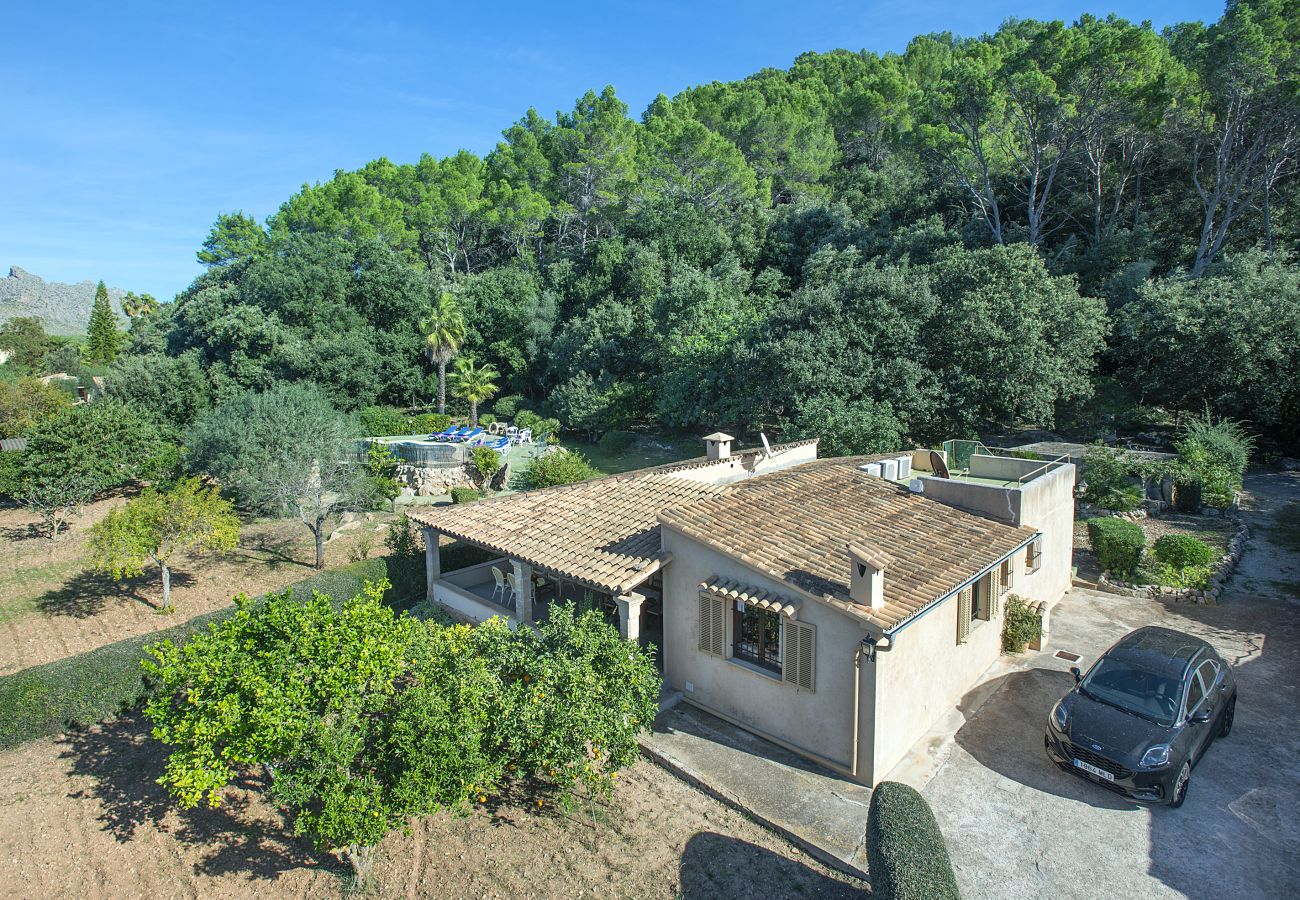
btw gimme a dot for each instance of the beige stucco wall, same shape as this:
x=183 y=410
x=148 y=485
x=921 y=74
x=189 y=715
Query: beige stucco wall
x=927 y=672
x=924 y=674
x=818 y=723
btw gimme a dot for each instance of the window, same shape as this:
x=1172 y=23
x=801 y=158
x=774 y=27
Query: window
x=983 y=598
x=1034 y=555
x=1008 y=576
x=756 y=636
x=1195 y=694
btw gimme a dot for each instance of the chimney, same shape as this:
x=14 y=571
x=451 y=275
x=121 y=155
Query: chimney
x=718 y=445
x=867 y=576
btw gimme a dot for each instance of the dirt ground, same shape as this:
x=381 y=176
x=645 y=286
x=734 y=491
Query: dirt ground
x=82 y=816
x=54 y=604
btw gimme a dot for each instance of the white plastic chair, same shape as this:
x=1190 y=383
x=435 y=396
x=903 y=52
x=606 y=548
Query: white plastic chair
x=514 y=586
x=526 y=436
x=501 y=584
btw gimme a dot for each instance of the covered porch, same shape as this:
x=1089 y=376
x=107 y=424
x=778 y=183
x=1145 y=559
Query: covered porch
x=524 y=593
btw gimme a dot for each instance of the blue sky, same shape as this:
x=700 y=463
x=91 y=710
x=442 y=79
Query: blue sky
x=126 y=128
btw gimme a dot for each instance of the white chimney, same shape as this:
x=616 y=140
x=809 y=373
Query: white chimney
x=867 y=576
x=718 y=445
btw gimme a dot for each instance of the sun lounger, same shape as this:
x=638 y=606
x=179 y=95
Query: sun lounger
x=451 y=434
x=469 y=434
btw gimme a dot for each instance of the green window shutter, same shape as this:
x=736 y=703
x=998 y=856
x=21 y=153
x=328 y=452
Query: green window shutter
x=799 y=654
x=963 y=615
x=713 y=624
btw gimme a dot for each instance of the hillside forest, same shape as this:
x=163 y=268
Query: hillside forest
x=1051 y=225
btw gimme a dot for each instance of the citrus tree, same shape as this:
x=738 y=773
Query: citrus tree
x=574 y=697
x=159 y=524
x=362 y=718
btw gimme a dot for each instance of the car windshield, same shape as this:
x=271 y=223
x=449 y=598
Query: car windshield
x=1149 y=694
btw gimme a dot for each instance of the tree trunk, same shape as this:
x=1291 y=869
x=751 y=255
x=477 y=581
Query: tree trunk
x=362 y=860
x=167 y=586
x=319 y=532
x=442 y=386
x=473 y=413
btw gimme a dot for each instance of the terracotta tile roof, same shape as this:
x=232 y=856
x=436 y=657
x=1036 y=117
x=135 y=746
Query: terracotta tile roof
x=794 y=525
x=734 y=590
x=603 y=532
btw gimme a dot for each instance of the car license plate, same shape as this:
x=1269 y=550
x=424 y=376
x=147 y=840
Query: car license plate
x=1100 y=773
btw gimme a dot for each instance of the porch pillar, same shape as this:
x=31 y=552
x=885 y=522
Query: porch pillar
x=432 y=561
x=629 y=615
x=523 y=591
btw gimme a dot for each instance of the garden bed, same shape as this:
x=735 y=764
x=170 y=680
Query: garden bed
x=1225 y=536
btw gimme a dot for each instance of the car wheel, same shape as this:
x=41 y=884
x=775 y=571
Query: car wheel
x=1228 y=714
x=1180 y=785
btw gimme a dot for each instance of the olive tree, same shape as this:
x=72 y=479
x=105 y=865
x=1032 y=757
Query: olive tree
x=287 y=451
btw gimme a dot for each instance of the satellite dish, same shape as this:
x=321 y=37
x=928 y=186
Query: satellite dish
x=767 y=448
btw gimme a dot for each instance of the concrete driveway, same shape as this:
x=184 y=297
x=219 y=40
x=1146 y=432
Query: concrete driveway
x=1018 y=827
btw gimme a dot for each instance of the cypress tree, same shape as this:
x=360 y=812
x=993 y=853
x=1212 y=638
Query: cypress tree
x=102 y=337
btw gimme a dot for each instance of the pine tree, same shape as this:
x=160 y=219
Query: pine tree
x=102 y=336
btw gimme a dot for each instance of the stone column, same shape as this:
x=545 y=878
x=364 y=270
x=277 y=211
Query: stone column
x=629 y=615
x=523 y=591
x=432 y=561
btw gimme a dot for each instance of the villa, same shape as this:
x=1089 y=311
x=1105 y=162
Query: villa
x=836 y=607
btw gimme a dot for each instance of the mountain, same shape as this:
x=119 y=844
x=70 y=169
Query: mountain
x=63 y=308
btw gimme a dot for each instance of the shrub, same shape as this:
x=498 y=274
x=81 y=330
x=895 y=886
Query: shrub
x=542 y=428
x=1021 y=626
x=1183 y=550
x=486 y=419
x=464 y=494
x=404 y=538
x=378 y=421
x=81 y=690
x=906 y=854
x=560 y=467
x=485 y=461
x=1108 y=476
x=429 y=423
x=1118 y=544
x=508 y=406
x=1187 y=495
x=11 y=473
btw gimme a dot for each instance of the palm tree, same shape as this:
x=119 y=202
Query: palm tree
x=139 y=305
x=443 y=327
x=474 y=383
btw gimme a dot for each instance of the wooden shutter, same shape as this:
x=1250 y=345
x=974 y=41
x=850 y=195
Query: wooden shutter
x=1008 y=575
x=1032 y=560
x=713 y=624
x=995 y=591
x=799 y=654
x=963 y=615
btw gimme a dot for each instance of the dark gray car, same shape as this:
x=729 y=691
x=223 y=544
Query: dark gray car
x=1143 y=715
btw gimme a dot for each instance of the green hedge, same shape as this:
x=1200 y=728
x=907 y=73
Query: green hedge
x=1118 y=544
x=85 y=689
x=465 y=494
x=1182 y=551
x=906 y=856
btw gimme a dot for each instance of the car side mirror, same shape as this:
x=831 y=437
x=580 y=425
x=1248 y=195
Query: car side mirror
x=1200 y=717
x=1078 y=676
